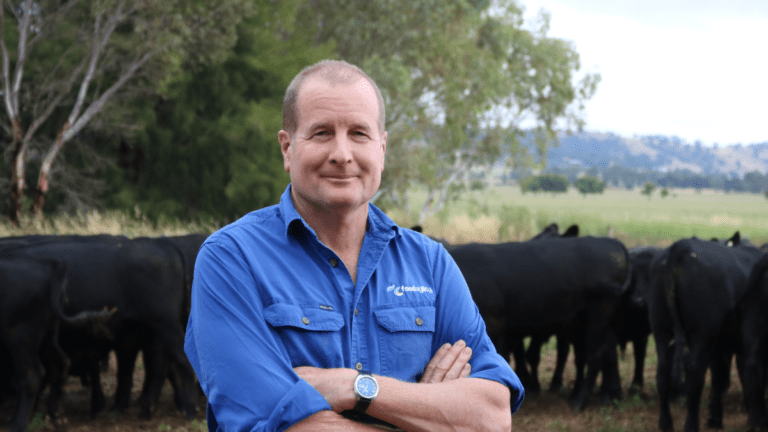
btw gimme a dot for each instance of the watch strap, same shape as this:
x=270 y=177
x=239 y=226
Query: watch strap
x=362 y=405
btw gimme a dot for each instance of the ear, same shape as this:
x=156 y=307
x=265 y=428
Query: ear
x=383 y=149
x=285 y=143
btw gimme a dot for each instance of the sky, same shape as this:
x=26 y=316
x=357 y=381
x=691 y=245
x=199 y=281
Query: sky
x=695 y=69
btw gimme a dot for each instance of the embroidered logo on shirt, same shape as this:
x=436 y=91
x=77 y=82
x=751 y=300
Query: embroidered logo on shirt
x=328 y=308
x=401 y=289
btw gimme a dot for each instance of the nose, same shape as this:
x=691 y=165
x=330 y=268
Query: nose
x=342 y=150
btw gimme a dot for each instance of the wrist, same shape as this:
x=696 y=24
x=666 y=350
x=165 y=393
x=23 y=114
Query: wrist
x=365 y=388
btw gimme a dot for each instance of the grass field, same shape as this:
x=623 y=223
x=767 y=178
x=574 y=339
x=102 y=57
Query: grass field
x=501 y=213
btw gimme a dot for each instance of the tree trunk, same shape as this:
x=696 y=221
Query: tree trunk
x=45 y=169
x=17 y=174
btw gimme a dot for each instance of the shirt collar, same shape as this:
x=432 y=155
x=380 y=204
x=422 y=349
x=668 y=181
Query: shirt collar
x=379 y=224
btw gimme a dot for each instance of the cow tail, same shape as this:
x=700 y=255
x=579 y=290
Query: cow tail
x=671 y=282
x=57 y=294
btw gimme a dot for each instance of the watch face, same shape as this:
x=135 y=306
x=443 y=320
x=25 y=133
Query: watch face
x=367 y=387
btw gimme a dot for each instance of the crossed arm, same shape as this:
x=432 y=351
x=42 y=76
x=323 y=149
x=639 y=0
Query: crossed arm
x=439 y=401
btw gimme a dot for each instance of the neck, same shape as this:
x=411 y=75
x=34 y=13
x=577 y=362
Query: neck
x=341 y=230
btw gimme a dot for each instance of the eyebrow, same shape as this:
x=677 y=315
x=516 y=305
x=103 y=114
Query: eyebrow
x=325 y=125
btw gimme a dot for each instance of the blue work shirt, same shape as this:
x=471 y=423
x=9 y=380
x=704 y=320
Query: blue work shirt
x=268 y=296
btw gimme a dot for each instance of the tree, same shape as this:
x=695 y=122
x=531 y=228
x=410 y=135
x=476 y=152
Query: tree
x=648 y=189
x=546 y=183
x=588 y=184
x=209 y=149
x=450 y=110
x=664 y=192
x=73 y=59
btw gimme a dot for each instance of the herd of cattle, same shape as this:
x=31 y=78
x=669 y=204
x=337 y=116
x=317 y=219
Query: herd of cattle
x=66 y=302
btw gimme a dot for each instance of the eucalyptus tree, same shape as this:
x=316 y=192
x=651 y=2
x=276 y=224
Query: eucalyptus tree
x=464 y=81
x=65 y=62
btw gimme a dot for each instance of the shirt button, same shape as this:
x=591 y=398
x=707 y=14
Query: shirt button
x=359 y=366
x=419 y=321
x=355 y=311
x=334 y=262
x=305 y=320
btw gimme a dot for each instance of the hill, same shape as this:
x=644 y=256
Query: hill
x=656 y=153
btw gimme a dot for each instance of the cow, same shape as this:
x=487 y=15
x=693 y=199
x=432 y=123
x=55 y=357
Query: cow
x=145 y=280
x=696 y=288
x=754 y=330
x=632 y=320
x=538 y=288
x=31 y=314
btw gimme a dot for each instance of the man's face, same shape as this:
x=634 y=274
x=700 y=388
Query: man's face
x=336 y=156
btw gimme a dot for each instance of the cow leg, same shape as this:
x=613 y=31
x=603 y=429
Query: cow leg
x=155 y=365
x=98 y=401
x=29 y=371
x=125 y=354
x=700 y=356
x=171 y=338
x=521 y=368
x=563 y=346
x=640 y=345
x=664 y=354
x=754 y=375
x=720 y=382
x=610 y=388
x=533 y=357
x=579 y=361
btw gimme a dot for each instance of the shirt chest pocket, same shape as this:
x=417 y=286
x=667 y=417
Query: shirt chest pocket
x=405 y=340
x=311 y=336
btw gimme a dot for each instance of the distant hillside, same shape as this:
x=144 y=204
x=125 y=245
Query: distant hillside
x=656 y=153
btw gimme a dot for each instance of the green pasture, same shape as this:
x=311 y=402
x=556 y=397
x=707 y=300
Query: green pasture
x=503 y=213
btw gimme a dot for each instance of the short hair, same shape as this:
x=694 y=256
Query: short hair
x=332 y=72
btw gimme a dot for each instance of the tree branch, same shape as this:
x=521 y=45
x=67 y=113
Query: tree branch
x=99 y=42
x=9 y=106
x=21 y=54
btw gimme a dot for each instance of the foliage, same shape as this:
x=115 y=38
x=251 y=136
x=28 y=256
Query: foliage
x=74 y=59
x=648 y=189
x=589 y=185
x=210 y=147
x=664 y=192
x=545 y=183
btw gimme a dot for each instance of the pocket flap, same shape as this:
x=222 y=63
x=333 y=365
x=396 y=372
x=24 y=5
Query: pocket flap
x=307 y=318
x=412 y=318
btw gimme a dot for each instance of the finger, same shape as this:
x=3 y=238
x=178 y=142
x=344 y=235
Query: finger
x=430 y=369
x=445 y=364
x=466 y=371
x=458 y=365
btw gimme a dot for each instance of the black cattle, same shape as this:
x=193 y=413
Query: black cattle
x=754 y=329
x=540 y=287
x=695 y=288
x=145 y=280
x=632 y=319
x=30 y=316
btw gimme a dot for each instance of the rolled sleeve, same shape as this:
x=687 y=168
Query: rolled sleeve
x=243 y=368
x=460 y=319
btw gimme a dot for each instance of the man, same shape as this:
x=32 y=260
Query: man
x=320 y=305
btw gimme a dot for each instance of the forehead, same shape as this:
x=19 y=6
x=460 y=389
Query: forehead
x=321 y=101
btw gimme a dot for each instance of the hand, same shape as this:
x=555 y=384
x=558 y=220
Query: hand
x=449 y=363
x=334 y=384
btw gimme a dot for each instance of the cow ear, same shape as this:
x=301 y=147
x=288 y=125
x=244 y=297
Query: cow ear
x=735 y=240
x=572 y=231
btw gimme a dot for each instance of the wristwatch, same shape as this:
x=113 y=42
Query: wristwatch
x=366 y=388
